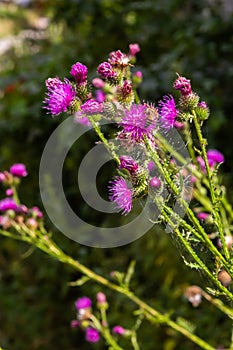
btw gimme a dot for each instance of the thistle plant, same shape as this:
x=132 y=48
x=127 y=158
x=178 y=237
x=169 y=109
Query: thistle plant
x=180 y=185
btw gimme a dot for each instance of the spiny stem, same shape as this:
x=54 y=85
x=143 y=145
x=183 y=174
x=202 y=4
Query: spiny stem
x=215 y=201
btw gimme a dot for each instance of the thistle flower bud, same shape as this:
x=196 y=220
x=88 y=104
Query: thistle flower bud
x=194 y=295
x=183 y=85
x=224 y=278
x=202 y=111
x=188 y=102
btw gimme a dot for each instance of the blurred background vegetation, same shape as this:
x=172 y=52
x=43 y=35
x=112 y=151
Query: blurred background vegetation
x=41 y=39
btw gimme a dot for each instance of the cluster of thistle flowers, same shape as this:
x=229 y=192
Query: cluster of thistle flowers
x=94 y=324
x=10 y=209
x=115 y=98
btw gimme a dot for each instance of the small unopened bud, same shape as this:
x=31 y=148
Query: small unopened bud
x=224 y=278
x=194 y=295
x=101 y=298
x=155 y=182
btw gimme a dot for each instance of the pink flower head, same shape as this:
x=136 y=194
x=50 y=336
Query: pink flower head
x=135 y=122
x=101 y=298
x=121 y=194
x=18 y=170
x=79 y=72
x=126 y=88
x=36 y=212
x=52 y=83
x=203 y=105
x=100 y=96
x=106 y=72
x=118 y=330
x=150 y=165
x=183 y=85
x=92 y=335
x=128 y=163
x=74 y=323
x=138 y=74
x=214 y=157
x=91 y=107
x=98 y=83
x=60 y=97
x=134 y=49
x=2 y=177
x=167 y=111
x=9 y=192
x=118 y=59
x=155 y=182
x=83 y=303
x=203 y=216
x=8 y=204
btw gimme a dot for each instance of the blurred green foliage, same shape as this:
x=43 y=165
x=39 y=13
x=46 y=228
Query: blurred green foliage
x=193 y=38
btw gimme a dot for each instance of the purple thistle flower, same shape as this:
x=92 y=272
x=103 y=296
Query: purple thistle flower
x=183 y=85
x=214 y=157
x=133 y=49
x=155 y=182
x=121 y=194
x=59 y=97
x=91 y=107
x=83 y=303
x=79 y=72
x=8 y=204
x=118 y=330
x=100 y=96
x=105 y=71
x=18 y=170
x=135 y=122
x=126 y=88
x=167 y=111
x=118 y=58
x=128 y=163
x=101 y=298
x=9 y=192
x=203 y=216
x=52 y=83
x=92 y=335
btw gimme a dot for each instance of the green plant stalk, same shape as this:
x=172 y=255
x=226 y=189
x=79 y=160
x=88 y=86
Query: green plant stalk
x=190 y=213
x=45 y=244
x=104 y=140
x=134 y=341
x=196 y=258
x=218 y=304
x=214 y=200
x=187 y=133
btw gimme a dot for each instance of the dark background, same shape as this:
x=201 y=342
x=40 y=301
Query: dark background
x=41 y=39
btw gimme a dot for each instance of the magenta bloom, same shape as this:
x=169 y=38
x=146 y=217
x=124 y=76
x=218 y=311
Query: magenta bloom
x=100 y=96
x=105 y=71
x=8 y=204
x=155 y=182
x=79 y=72
x=9 y=192
x=135 y=122
x=101 y=298
x=59 y=97
x=118 y=58
x=121 y=194
x=118 y=330
x=74 y=323
x=18 y=170
x=91 y=107
x=183 y=85
x=167 y=111
x=202 y=216
x=92 y=335
x=128 y=163
x=214 y=157
x=83 y=303
x=134 y=49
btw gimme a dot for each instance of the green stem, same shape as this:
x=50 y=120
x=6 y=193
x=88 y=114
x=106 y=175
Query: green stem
x=104 y=140
x=49 y=247
x=196 y=258
x=215 y=201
